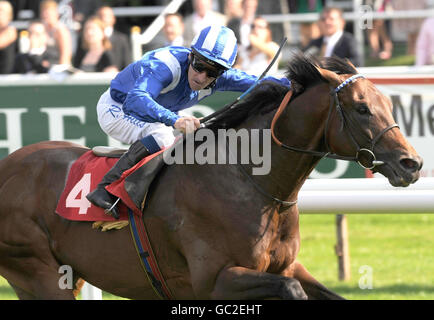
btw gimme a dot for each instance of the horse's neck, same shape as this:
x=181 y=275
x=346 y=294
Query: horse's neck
x=301 y=125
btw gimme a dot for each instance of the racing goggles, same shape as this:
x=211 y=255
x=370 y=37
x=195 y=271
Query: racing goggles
x=199 y=65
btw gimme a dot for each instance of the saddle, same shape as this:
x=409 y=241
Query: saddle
x=110 y=152
x=88 y=170
x=132 y=188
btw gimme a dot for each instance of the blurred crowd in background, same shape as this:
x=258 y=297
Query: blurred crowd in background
x=86 y=35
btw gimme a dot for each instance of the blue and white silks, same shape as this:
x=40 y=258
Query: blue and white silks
x=155 y=88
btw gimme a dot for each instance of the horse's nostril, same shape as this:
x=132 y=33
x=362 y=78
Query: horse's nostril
x=410 y=164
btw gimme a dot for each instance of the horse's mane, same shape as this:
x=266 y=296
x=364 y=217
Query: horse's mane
x=302 y=73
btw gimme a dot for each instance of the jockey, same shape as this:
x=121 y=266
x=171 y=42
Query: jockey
x=140 y=107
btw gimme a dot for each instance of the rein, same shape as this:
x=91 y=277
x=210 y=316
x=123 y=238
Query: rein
x=334 y=101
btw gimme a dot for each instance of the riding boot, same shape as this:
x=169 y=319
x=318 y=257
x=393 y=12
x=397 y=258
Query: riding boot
x=100 y=196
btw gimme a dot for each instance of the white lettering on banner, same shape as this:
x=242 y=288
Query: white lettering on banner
x=56 y=122
x=199 y=108
x=337 y=172
x=411 y=115
x=413 y=110
x=13 y=127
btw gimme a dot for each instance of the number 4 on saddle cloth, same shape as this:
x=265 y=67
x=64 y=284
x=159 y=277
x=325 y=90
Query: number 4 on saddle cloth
x=85 y=174
x=88 y=170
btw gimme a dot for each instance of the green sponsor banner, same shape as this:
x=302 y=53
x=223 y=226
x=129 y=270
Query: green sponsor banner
x=30 y=114
x=39 y=108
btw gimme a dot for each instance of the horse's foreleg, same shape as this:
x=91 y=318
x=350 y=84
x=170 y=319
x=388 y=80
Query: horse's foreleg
x=314 y=289
x=243 y=283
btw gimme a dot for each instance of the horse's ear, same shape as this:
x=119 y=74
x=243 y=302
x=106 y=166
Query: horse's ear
x=349 y=62
x=330 y=76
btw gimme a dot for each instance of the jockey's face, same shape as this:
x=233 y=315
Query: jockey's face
x=201 y=74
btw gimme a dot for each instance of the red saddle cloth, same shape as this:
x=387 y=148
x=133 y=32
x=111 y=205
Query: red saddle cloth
x=85 y=174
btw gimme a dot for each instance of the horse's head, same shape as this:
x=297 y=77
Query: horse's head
x=362 y=125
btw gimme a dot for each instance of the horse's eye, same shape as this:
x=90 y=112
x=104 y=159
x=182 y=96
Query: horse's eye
x=362 y=109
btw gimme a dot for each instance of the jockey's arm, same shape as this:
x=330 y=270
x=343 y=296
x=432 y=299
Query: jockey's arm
x=141 y=105
x=140 y=102
x=237 y=80
x=187 y=124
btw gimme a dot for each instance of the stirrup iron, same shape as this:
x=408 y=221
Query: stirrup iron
x=109 y=210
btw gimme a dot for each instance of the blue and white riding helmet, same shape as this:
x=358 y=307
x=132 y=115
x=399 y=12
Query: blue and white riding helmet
x=217 y=45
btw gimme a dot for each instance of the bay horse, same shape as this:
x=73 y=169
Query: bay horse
x=216 y=232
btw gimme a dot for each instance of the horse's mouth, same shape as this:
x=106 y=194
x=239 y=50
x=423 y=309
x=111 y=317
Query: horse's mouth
x=397 y=174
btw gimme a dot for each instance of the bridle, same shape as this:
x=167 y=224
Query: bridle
x=334 y=101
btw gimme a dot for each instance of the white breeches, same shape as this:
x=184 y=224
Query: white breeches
x=127 y=129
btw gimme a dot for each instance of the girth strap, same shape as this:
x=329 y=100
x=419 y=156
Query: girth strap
x=146 y=255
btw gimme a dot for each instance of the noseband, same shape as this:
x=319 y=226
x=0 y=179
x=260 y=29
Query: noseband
x=334 y=101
